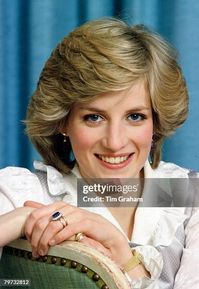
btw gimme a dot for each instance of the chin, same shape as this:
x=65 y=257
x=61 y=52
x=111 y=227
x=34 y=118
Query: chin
x=115 y=175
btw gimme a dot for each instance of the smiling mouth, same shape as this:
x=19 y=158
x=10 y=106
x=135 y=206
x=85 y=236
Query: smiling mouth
x=114 y=160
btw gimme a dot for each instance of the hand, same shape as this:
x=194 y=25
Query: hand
x=86 y=240
x=100 y=233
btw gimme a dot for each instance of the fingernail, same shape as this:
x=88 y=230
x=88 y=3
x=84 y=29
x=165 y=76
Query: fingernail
x=52 y=242
x=41 y=253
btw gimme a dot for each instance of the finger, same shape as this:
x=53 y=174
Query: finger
x=71 y=230
x=70 y=215
x=51 y=230
x=39 y=213
x=105 y=233
x=38 y=229
x=33 y=204
x=109 y=236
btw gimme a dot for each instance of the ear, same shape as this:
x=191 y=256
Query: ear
x=63 y=128
x=63 y=132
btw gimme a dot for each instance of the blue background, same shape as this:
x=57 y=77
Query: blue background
x=30 y=29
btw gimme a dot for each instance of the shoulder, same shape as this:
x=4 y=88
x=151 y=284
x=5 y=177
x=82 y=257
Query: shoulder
x=18 y=185
x=171 y=170
x=17 y=177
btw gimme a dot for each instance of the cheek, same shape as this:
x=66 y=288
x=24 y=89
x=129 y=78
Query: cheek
x=144 y=136
x=81 y=140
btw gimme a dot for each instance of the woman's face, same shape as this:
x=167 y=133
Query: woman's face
x=111 y=136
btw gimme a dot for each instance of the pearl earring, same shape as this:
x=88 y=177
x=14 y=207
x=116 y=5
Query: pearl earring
x=65 y=136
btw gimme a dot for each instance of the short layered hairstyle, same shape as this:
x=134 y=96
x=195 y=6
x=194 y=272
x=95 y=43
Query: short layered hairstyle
x=102 y=56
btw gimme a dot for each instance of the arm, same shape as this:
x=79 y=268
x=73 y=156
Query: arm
x=16 y=185
x=12 y=224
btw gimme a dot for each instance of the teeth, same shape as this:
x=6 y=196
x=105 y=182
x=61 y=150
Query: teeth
x=112 y=160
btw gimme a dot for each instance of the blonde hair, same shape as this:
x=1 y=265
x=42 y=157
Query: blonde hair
x=101 y=56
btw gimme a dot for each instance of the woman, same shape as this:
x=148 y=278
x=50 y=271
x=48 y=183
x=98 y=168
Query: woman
x=106 y=99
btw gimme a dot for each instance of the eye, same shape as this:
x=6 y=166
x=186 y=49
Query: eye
x=136 y=117
x=93 y=118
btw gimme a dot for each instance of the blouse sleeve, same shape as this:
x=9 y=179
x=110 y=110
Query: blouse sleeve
x=153 y=262
x=18 y=185
x=5 y=206
x=187 y=276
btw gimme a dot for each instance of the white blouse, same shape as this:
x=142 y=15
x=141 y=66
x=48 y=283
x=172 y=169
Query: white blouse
x=154 y=230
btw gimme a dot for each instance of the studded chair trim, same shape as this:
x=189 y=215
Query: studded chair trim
x=75 y=255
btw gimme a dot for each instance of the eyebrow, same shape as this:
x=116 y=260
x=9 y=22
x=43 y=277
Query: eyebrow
x=95 y=109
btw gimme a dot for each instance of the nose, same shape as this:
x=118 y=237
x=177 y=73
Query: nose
x=115 y=137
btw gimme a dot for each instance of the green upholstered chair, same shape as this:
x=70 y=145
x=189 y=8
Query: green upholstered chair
x=71 y=265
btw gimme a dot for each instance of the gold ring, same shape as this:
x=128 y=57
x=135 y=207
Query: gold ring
x=79 y=236
x=65 y=219
x=63 y=222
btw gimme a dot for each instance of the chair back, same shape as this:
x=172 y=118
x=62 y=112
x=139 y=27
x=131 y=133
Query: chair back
x=71 y=265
